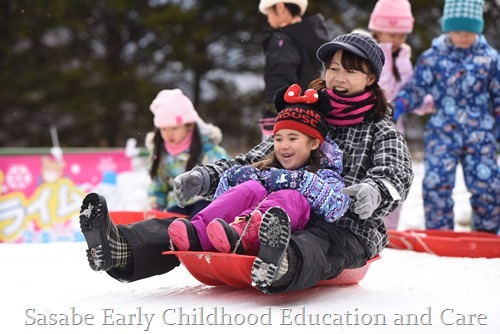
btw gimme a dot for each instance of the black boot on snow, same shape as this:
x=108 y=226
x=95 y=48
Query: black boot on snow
x=106 y=247
x=274 y=235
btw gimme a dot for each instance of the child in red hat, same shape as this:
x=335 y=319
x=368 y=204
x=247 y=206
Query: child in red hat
x=250 y=195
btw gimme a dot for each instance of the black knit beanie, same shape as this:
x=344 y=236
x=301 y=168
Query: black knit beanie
x=360 y=44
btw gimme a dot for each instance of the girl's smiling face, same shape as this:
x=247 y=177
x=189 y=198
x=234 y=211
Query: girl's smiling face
x=293 y=148
x=346 y=81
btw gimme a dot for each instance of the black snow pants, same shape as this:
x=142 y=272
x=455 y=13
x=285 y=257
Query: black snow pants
x=322 y=251
x=147 y=240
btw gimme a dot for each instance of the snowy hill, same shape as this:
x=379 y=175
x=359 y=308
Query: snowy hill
x=403 y=292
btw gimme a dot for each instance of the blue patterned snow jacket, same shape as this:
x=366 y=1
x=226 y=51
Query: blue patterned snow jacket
x=465 y=85
x=322 y=189
x=160 y=189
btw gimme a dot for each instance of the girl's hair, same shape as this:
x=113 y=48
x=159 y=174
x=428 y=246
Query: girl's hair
x=158 y=151
x=395 y=70
x=395 y=54
x=313 y=165
x=292 y=8
x=350 y=61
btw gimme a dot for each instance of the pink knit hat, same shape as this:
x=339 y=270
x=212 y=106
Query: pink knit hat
x=392 y=16
x=172 y=108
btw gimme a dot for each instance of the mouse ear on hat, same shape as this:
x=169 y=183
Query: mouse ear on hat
x=292 y=95
x=279 y=99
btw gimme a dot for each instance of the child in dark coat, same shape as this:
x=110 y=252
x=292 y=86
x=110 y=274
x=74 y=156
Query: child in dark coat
x=290 y=51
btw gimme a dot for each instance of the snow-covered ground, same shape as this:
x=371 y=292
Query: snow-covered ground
x=403 y=292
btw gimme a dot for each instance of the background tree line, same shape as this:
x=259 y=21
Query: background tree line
x=91 y=68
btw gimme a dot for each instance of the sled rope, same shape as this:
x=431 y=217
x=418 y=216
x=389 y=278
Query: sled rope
x=247 y=218
x=419 y=239
x=238 y=242
x=403 y=240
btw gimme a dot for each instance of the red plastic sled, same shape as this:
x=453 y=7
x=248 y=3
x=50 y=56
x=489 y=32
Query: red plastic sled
x=218 y=269
x=129 y=217
x=447 y=243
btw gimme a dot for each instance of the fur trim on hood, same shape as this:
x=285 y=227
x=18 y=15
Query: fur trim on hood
x=212 y=132
x=149 y=141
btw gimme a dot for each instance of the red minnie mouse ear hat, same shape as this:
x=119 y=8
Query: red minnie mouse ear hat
x=303 y=113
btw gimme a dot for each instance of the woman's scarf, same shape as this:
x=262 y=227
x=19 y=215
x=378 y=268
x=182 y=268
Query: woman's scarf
x=349 y=110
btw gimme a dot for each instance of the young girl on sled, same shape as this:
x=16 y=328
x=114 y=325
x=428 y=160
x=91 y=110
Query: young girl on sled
x=377 y=172
x=246 y=193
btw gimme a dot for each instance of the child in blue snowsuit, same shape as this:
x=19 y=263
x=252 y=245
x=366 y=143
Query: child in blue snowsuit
x=462 y=72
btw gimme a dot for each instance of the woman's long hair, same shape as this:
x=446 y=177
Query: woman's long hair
x=195 y=151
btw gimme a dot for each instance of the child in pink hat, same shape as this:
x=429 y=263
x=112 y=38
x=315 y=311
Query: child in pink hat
x=180 y=141
x=391 y=21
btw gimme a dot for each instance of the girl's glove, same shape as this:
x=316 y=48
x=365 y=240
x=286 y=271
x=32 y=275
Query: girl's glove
x=189 y=185
x=427 y=107
x=366 y=199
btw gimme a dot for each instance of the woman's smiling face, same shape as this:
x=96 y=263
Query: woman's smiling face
x=346 y=81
